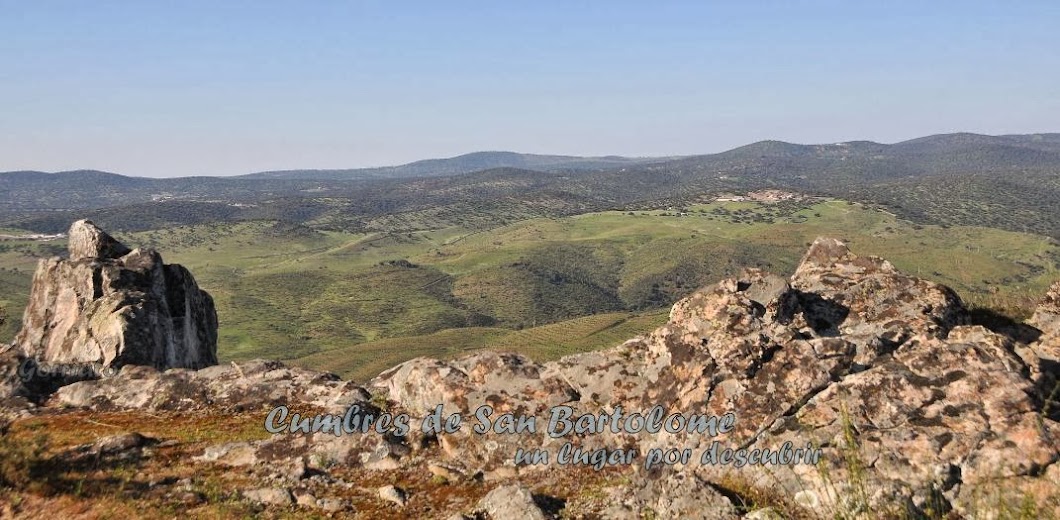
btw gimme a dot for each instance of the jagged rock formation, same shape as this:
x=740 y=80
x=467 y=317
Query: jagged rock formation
x=875 y=367
x=917 y=411
x=109 y=306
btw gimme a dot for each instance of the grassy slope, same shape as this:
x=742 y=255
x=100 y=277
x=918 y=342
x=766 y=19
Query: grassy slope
x=360 y=362
x=337 y=300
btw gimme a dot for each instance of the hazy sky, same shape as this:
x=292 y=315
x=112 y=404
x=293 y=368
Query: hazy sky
x=158 y=88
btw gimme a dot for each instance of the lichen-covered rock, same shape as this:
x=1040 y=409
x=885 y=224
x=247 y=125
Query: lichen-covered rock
x=108 y=306
x=674 y=495
x=252 y=385
x=936 y=420
x=509 y=383
x=866 y=300
x=504 y=381
x=910 y=409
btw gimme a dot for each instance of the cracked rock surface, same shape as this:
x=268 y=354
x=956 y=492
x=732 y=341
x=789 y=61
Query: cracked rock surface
x=912 y=407
x=107 y=306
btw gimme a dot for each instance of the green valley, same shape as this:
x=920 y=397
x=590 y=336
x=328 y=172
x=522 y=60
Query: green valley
x=355 y=303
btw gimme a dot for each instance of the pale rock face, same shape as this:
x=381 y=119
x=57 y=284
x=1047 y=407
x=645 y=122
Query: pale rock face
x=111 y=306
x=511 y=502
x=87 y=242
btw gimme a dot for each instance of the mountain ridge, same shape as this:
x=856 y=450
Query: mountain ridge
x=490 y=159
x=1011 y=182
x=464 y=163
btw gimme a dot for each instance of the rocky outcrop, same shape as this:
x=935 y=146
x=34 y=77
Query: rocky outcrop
x=107 y=306
x=1043 y=356
x=231 y=387
x=912 y=408
x=88 y=242
x=916 y=411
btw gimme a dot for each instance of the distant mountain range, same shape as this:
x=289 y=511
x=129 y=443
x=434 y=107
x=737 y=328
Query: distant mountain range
x=1010 y=182
x=466 y=163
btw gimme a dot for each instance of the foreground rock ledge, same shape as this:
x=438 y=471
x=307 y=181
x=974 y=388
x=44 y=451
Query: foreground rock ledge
x=109 y=306
x=917 y=410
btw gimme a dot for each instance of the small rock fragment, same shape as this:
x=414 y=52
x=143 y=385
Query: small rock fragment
x=394 y=495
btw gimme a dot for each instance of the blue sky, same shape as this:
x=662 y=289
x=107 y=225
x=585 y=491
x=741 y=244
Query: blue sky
x=158 y=88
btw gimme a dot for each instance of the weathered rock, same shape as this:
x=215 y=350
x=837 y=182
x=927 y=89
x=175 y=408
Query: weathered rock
x=1047 y=316
x=11 y=376
x=120 y=447
x=675 y=495
x=270 y=496
x=246 y=386
x=936 y=421
x=332 y=505
x=422 y=384
x=231 y=454
x=394 y=495
x=512 y=502
x=866 y=300
x=1043 y=356
x=88 y=242
x=445 y=471
x=253 y=385
x=912 y=411
x=509 y=383
x=854 y=358
x=107 y=306
x=121 y=442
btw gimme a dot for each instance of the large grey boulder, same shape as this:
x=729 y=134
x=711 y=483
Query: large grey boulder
x=108 y=306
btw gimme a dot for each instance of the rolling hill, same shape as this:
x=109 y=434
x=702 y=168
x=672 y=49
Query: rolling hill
x=1009 y=182
x=466 y=163
x=354 y=301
